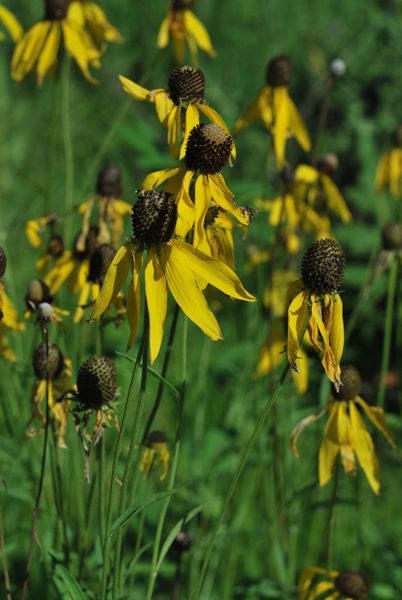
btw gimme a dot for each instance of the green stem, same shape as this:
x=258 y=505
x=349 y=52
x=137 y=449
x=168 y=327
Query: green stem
x=331 y=517
x=389 y=317
x=68 y=146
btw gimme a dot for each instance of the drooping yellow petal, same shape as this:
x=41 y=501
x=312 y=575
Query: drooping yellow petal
x=156 y=293
x=251 y=114
x=48 y=56
x=300 y=378
x=215 y=272
x=153 y=180
x=196 y=30
x=329 y=448
x=220 y=193
x=271 y=354
x=185 y=206
x=163 y=34
x=133 y=299
x=163 y=104
x=345 y=440
x=281 y=123
x=191 y=120
x=335 y=200
x=28 y=49
x=298 y=430
x=202 y=198
x=377 y=417
x=61 y=271
x=114 y=280
x=181 y=282
x=82 y=301
x=9 y=313
x=364 y=448
x=173 y=125
x=133 y=89
x=337 y=333
x=395 y=172
x=297 y=314
x=297 y=126
x=11 y=23
x=329 y=362
x=78 y=45
x=306 y=173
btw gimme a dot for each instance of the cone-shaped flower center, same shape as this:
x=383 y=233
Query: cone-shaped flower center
x=56 y=10
x=3 y=262
x=351 y=383
x=109 y=182
x=328 y=164
x=38 y=292
x=55 y=246
x=156 y=437
x=279 y=71
x=208 y=149
x=154 y=217
x=352 y=585
x=181 y=4
x=100 y=261
x=51 y=365
x=323 y=265
x=186 y=85
x=391 y=235
x=96 y=382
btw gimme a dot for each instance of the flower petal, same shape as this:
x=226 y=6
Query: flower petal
x=133 y=89
x=364 y=448
x=156 y=293
x=133 y=299
x=196 y=30
x=377 y=417
x=114 y=280
x=192 y=119
x=153 y=180
x=329 y=448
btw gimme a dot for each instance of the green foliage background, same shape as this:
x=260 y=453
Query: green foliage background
x=263 y=546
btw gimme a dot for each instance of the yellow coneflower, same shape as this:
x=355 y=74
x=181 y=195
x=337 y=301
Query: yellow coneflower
x=171 y=264
x=40 y=45
x=34 y=228
x=53 y=372
x=109 y=205
x=54 y=251
x=218 y=241
x=389 y=169
x=11 y=24
x=9 y=319
x=208 y=150
x=155 y=455
x=178 y=107
x=91 y=17
x=315 y=296
x=182 y=27
x=277 y=110
x=316 y=583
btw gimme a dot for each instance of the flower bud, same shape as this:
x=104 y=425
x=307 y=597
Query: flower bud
x=351 y=384
x=109 y=183
x=44 y=364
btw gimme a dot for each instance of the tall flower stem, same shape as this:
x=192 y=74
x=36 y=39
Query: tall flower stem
x=35 y=511
x=323 y=116
x=260 y=422
x=106 y=541
x=162 y=515
x=331 y=517
x=68 y=146
x=389 y=317
x=128 y=468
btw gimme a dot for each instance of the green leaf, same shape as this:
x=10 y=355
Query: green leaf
x=173 y=532
x=67 y=584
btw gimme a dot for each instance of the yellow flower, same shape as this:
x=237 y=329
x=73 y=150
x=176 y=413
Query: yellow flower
x=35 y=227
x=156 y=455
x=91 y=17
x=8 y=313
x=389 y=172
x=11 y=23
x=316 y=583
x=277 y=110
x=170 y=264
x=315 y=300
x=275 y=295
x=218 y=240
x=207 y=151
x=182 y=27
x=57 y=370
x=178 y=107
x=40 y=45
x=55 y=250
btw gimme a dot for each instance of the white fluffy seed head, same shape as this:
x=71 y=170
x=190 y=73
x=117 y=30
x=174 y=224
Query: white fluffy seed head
x=338 y=67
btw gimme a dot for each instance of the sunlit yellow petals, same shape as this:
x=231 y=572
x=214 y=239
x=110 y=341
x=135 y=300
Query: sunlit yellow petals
x=215 y=272
x=114 y=280
x=61 y=271
x=98 y=25
x=191 y=120
x=163 y=34
x=163 y=104
x=364 y=448
x=376 y=415
x=5 y=351
x=202 y=203
x=185 y=206
x=252 y=113
x=297 y=315
x=9 y=313
x=300 y=378
x=281 y=121
x=133 y=299
x=181 y=282
x=156 y=293
x=196 y=30
x=11 y=23
x=335 y=201
x=215 y=117
x=306 y=174
x=173 y=125
x=78 y=45
x=28 y=49
x=329 y=449
x=382 y=173
x=395 y=172
x=297 y=126
x=82 y=301
x=156 y=178
x=220 y=193
x=48 y=56
x=329 y=361
x=337 y=333
x=133 y=89
x=272 y=352
x=122 y=207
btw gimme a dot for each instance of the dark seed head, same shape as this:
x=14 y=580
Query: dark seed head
x=351 y=383
x=154 y=217
x=3 y=262
x=109 y=181
x=391 y=235
x=181 y=4
x=287 y=175
x=52 y=364
x=397 y=137
x=323 y=265
x=89 y=243
x=186 y=85
x=56 y=10
x=279 y=71
x=38 y=292
x=352 y=585
x=182 y=542
x=156 y=437
x=55 y=246
x=99 y=262
x=97 y=382
x=328 y=164
x=208 y=149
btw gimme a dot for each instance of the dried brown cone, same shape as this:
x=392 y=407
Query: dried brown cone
x=56 y=10
x=181 y=4
x=186 y=85
x=391 y=236
x=351 y=383
x=100 y=261
x=156 y=437
x=55 y=246
x=3 y=262
x=154 y=217
x=109 y=183
x=279 y=71
x=96 y=382
x=44 y=364
x=208 y=149
x=38 y=292
x=323 y=266
x=352 y=585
